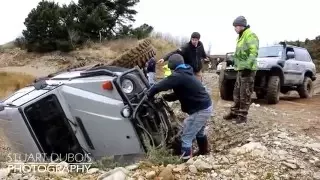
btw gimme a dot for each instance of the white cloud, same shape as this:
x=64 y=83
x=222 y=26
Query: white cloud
x=271 y=20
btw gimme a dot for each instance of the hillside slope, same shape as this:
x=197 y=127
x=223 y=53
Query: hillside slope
x=14 y=59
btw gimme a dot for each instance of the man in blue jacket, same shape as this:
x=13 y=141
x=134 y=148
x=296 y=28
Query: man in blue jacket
x=194 y=100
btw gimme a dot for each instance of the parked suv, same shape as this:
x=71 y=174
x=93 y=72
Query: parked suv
x=100 y=110
x=281 y=68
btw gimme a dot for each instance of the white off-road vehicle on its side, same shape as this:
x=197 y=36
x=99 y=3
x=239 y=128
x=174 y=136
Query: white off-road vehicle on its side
x=100 y=110
x=281 y=68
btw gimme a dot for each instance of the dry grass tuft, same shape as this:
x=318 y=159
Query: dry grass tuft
x=121 y=45
x=9 y=45
x=105 y=51
x=175 y=40
x=12 y=81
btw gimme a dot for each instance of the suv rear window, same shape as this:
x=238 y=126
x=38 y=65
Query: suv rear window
x=302 y=54
x=271 y=51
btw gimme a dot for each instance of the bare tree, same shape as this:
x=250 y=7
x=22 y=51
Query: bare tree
x=73 y=37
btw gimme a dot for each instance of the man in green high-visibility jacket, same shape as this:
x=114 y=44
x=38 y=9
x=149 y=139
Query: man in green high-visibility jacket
x=245 y=63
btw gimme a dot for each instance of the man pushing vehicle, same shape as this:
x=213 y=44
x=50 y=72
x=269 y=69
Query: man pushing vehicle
x=194 y=100
x=193 y=53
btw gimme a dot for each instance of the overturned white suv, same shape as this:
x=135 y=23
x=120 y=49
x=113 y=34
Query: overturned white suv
x=100 y=110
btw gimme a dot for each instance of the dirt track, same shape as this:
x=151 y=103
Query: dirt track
x=303 y=114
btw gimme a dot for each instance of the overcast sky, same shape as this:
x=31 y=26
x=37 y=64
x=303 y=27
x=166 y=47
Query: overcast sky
x=271 y=20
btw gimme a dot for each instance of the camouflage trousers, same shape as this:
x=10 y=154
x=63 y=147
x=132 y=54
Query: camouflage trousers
x=242 y=92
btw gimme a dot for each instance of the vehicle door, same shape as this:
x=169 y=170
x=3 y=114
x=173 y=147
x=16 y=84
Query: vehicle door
x=301 y=64
x=290 y=67
x=305 y=64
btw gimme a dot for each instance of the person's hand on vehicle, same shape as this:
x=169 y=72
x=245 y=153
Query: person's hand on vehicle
x=161 y=61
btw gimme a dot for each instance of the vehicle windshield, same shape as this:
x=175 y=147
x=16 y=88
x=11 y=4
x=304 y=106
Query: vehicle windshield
x=272 y=51
x=230 y=56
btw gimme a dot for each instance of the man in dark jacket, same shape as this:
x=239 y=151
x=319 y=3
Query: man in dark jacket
x=194 y=101
x=193 y=53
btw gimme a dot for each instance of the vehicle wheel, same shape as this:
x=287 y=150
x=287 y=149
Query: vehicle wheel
x=306 y=89
x=137 y=56
x=226 y=88
x=273 y=90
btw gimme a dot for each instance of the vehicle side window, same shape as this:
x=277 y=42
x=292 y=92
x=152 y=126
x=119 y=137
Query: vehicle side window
x=289 y=49
x=307 y=56
x=298 y=54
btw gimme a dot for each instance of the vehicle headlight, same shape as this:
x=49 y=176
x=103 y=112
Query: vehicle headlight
x=127 y=86
x=262 y=64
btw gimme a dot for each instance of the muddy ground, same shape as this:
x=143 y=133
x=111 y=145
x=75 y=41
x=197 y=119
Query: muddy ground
x=279 y=141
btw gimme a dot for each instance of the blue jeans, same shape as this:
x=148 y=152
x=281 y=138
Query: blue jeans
x=193 y=127
x=151 y=78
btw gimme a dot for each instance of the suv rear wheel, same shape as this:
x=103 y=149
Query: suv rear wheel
x=273 y=90
x=305 y=90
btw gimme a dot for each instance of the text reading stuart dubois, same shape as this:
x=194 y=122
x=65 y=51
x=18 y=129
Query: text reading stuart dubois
x=26 y=163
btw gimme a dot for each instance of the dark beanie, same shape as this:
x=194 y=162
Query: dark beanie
x=174 y=61
x=240 y=21
x=195 y=35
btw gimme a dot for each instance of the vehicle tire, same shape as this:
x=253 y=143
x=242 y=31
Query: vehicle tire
x=306 y=89
x=137 y=56
x=273 y=90
x=226 y=88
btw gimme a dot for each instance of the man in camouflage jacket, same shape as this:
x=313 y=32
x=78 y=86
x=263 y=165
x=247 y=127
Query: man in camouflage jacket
x=245 y=63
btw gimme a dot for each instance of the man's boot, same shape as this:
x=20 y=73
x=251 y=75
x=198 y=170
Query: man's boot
x=202 y=145
x=241 y=119
x=186 y=153
x=230 y=116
